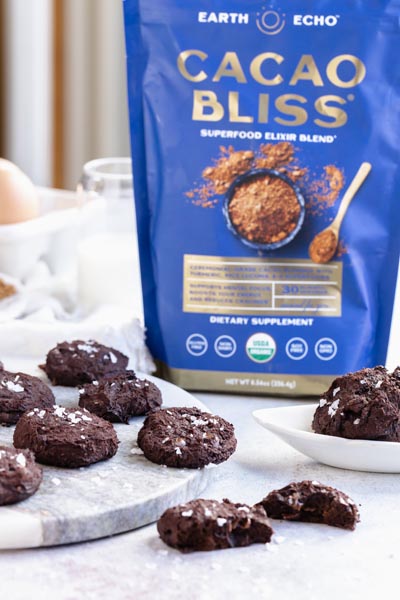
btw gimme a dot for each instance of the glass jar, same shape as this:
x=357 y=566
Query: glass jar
x=108 y=259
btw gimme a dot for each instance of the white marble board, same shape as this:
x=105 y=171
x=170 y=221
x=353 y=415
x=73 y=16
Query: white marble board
x=110 y=497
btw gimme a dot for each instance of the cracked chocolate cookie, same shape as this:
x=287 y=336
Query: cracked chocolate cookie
x=211 y=525
x=74 y=363
x=20 y=476
x=20 y=392
x=186 y=437
x=312 y=502
x=64 y=437
x=361 y=405
x=116 y=398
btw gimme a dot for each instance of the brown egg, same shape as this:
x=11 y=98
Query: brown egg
x=18 y=196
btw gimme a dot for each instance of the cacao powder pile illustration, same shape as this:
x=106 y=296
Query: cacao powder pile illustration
x=265 y=210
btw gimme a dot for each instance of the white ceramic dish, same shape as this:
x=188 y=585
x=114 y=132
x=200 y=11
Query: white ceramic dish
x=50 y=236
x=293 y=425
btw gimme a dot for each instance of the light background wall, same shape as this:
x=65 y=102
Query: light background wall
x=95 y=111
x=63 y=90
x=27 y=87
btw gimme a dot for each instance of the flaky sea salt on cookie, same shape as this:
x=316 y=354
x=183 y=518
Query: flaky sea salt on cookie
x=312 y=502
x=74 y=363
x=186 y=437
x=361 y=405
x=211 y=525
x=20 y=392
x=65 y=437
x=20 y=476
x=119 y=397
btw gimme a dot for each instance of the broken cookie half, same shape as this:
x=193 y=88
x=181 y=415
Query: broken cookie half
x=312 y=502
x=212 y=525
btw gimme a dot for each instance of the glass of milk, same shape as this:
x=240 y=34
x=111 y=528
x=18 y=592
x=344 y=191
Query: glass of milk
x=108 y=261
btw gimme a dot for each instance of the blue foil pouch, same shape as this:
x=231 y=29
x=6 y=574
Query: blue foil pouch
x=266 y=150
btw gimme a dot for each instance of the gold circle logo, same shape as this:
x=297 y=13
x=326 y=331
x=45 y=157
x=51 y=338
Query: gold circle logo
x=270 y=22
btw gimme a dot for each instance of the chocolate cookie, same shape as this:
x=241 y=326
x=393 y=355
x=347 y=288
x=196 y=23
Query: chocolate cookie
x=20 y=392
x=78 y=362
x=64 y=437
x=20 y=476
x=361 y=405
x=312 y=502
x=211 y=525
x=118 y=397
x=186 y=437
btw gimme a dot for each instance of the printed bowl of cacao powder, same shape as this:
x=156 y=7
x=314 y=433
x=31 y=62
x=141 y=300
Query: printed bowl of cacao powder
x=264 y=208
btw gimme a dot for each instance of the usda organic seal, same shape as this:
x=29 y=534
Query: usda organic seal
x=261 y=347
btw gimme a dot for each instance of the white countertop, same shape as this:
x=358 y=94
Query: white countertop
x=311 y=561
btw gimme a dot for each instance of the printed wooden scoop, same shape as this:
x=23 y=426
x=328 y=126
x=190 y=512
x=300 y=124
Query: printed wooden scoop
x=323 y=247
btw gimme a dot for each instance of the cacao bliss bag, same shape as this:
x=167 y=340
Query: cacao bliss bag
x=265 y=144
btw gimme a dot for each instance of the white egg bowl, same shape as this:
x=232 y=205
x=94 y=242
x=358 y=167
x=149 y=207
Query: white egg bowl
x=51 y=236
